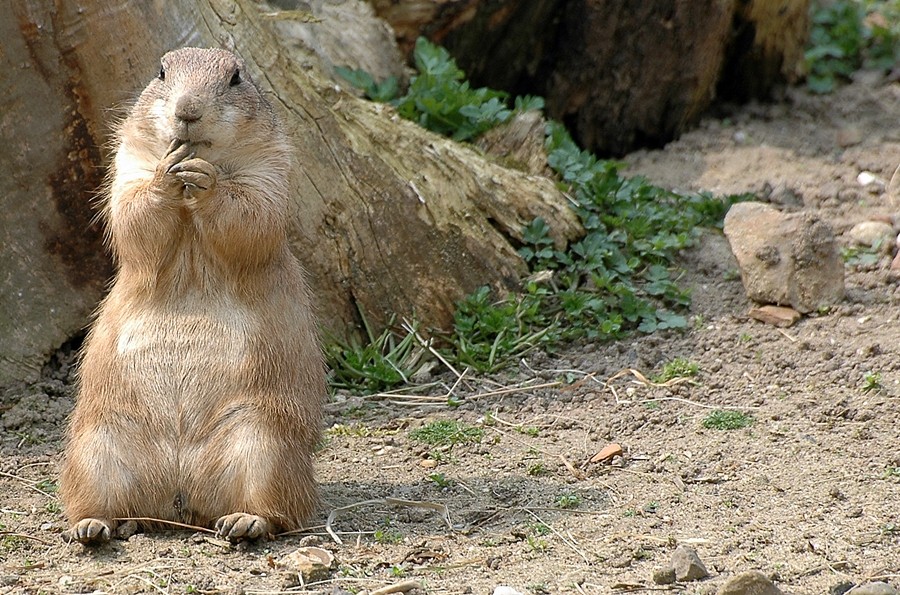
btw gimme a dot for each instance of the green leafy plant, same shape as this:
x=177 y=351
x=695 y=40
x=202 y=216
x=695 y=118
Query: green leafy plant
x=677 y=368
x=440 y=480
x=727 y=419
x=382 y=91
x=850 y=34
x=383 y=362
x=568 y=500
x=872 y=382
x=447 y=433
x=536 y=469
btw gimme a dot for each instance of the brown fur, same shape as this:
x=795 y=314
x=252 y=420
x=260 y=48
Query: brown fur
x=201 y=383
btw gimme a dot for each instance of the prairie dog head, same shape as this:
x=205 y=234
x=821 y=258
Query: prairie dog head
x=204 y=97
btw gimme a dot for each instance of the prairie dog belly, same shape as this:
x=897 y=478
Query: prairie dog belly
x=180 y=354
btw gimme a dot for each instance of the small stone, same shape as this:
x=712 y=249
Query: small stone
x=664 y=576
x=428 y=463
x=841 y=588
x=753 y=582
x=779 y=316
x=868 y=233
x=687 y=564
x=504 y=590
x=310 y=563
x=607 y=453
x=866 y=178
x=876 y=588
x=849 y=136
x=8 y=580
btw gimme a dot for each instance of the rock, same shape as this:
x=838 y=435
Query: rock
x=687 y=564
x=428 y=464
x=310 y=563
x=849 y=136
x=607 y=453
x=870 y=181
x=876 y=588
x=504 y=590
x=868 y=233
x=841 y=588
x=749 y=583
x=775 y=315
x=664 y=576
x=786 y=259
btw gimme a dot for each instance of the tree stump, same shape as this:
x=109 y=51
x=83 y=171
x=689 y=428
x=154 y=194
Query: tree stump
x=619 y=74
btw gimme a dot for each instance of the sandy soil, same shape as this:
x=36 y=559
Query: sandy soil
x=809 y=494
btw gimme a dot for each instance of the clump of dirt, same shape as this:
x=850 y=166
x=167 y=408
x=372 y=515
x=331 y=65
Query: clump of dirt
x=800 y=479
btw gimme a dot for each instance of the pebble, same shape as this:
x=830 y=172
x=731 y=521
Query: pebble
x=779 y=316
x=753 y=582
x=504 y=590
x=869 y=232
x=664 y=576
x=849 y=136
x=428 y=463
x=687 y=564
x=876 y=588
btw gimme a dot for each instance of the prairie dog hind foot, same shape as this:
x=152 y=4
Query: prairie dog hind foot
x=240 y=526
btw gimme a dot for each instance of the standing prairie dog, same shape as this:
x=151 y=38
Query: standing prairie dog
x=201 y=381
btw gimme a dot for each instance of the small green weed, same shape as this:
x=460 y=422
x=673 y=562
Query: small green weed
x=440 y=480
x=447 y=433
x=568 y=500
x=536 y=544
x=727 y=420
x=536 y=469
x=53 y=506
x=385 y=361
x=863 y=257
x=388 y=536
x=47 y=485
x=530 y=431
x=892 y=472
x=397 y=571
x=872 y=382
x=677 y=368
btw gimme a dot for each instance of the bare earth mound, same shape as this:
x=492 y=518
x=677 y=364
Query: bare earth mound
x=808 y=493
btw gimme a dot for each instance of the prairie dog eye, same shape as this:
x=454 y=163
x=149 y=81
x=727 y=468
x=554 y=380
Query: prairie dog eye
x=236 y=78
x=162 y=73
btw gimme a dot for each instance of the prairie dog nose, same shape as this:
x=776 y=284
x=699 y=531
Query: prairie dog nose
x=188 y=108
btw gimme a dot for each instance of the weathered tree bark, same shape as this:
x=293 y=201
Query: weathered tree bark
x=390 y=219
x=620 y=74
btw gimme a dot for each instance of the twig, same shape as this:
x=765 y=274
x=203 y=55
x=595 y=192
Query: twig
x=560 y=535
x=641 y=379
x=441 y=508
x=28 y=483
x=165 y=522
x=427 y=345
x=397 y=588
x=24 y=536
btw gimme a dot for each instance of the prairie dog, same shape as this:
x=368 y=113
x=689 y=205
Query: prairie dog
x=201 y=382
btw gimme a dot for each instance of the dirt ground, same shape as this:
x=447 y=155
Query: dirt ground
x=809 y=494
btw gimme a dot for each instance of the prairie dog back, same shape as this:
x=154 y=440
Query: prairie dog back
x=201 y=382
